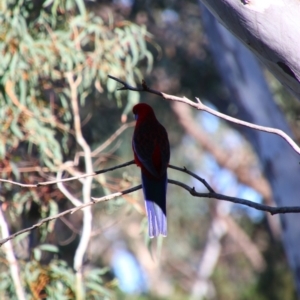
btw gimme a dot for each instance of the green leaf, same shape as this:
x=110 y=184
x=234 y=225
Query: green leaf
x=81 y=7
x=5 y=283
x=37 y=254
x=14 y=127
x=149 y=60
x=47 y=3
x=53 y=208
x=134 y=51
x=49 y=248
x=98 y=272
x=111 y=85
x=20 y=237
x=15 y=170
x=13 y=65
x=98 y=288
x=2 y=149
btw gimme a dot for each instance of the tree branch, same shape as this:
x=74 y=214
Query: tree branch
x=231 y=160
x=185 y=170
x=211 y=194
x=200 y=106
x=11 y=259
x=86 y=188
x=271 y=209
x=100 y=148
x=50 y=182
x=69 y=211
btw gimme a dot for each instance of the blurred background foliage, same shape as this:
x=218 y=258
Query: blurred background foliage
x=41 y=43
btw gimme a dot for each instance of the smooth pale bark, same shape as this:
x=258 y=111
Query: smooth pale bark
x=244 y=79
x=270 y=29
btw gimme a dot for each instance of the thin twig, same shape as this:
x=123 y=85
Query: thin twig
x=200 y=106
x=185 y=170
x=35 y=185
x=100 y=148
x=112 y=138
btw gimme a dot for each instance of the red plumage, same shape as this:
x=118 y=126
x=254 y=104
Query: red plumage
x=151 y=149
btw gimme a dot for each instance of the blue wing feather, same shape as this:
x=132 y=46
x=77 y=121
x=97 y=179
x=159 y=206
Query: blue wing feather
x=155 y=202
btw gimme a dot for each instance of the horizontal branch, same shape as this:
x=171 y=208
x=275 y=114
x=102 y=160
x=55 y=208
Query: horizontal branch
x=200 y=106
x=271 y=209
x=191 y=190
x=35 y=185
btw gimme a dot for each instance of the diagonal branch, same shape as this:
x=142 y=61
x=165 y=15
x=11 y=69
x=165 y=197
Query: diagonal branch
x=70 y=211
x=185 y=170
x=200 y=106
x=100 y=148
x=240 y=168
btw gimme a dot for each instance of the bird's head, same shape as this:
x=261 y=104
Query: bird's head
x=142 y=110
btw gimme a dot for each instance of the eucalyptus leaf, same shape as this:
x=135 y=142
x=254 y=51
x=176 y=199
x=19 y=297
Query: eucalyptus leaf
x=49 y=248
x=37 y=254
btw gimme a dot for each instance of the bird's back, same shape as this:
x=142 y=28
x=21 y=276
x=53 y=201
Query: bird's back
x=151 y=146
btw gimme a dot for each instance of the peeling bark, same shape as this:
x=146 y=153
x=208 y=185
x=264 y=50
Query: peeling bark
x=270 y=29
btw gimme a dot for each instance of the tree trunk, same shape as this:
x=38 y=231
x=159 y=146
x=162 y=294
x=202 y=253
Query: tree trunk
x=244 y=79
x=270 y=29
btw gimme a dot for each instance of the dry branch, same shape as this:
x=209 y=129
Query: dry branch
x=211 y=194
x=200 y=106
x=50 y=182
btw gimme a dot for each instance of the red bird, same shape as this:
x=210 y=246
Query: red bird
x=151 y=149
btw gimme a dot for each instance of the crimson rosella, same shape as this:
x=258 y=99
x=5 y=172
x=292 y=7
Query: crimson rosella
x=151 y=149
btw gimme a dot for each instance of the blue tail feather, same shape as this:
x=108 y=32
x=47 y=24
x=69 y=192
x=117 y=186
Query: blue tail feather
x=155 y=201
